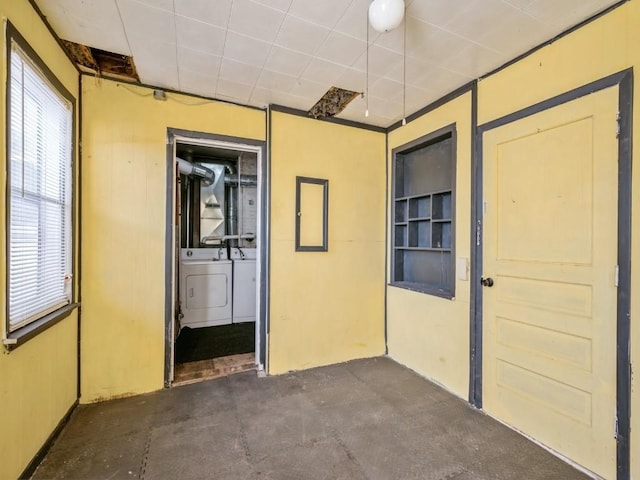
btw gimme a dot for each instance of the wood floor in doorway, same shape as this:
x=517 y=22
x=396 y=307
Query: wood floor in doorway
x=193 y=372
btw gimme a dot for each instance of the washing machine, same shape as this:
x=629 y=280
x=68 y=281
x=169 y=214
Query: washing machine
x=205 y=287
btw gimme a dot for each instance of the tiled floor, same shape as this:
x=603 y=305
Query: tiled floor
x=366 y=419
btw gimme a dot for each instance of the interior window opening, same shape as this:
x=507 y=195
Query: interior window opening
x=423 y=229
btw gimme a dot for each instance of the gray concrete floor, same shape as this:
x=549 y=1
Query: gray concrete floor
x=366 y=419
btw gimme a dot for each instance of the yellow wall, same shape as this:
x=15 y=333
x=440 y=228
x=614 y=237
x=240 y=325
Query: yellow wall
x=603 y=47
x=123 y=226
x=600 y=48
x=38 y=379
x=426 y=333
x=327 y=307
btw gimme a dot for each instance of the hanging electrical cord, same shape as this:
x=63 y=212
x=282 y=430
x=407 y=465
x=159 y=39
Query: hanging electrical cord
x=366 y=97
x=404 y=72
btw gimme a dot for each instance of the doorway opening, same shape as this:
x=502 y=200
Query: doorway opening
x=216 y=296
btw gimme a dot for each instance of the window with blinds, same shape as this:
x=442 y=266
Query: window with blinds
x=40 y=193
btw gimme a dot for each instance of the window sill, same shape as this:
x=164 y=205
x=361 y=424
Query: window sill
x=423 y=288
x=22 y=335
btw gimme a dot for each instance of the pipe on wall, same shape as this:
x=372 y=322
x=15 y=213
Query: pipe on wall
x=232 y=214
x=242 y=180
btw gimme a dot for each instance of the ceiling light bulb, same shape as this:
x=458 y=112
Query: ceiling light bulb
x=385 y=15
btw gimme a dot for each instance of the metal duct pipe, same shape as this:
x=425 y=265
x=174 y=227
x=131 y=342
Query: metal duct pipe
x=232 y=214
x=187 y=168
x=245 y=180
x=230 y=165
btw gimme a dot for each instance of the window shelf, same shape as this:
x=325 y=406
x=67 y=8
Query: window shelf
x=401 y=211
x=418 y=195
x=424 y=221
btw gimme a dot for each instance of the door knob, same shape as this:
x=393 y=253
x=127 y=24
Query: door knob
x=486 y=282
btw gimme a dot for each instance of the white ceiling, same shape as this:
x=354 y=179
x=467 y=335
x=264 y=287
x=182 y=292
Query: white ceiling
x=289 y=52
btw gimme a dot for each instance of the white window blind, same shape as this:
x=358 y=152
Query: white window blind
x=40 y=182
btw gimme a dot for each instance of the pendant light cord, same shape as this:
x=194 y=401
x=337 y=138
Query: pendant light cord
x=404 y=71
x=366 y=99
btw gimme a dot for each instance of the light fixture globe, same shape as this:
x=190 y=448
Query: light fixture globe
x=385 y=15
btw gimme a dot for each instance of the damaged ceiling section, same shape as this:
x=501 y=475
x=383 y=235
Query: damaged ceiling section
x=332 y=103
x=101 y=62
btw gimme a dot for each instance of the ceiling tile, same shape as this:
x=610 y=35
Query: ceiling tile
x=144 y=21
x=166 y=5
x=161 y=52
x=292 y=101
x=255 y=20
x=246 y=50
x=300 y=103
x=324 y=12
x=264 y=96
x=239 y=72
x=475 y=61
x=260 y=97
x=481 y=16
x=197 y=61
x=355 y=112
x=234 y=91
x=200 y=36
x=415 y=98
x=518 y=34
x=198 y=83
x=287 y=61
x=522 y=4
x=393 y=40
x=354 y=22
x=275 y=81
x=339 y=48
x=437 y=12
x=385 y=108
x=156 y=62
x=385 y=88
x=277 y=4
x=91 y=22
x=566 y=13
x=323 y=72
x=352 y=79
x=416 y=70
x=428 y=76
x=381 y=61
x=158 y=71
x=308 y=89
x=433 y=44
x=296 y=34
x=214 y=13
x=440 y=79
